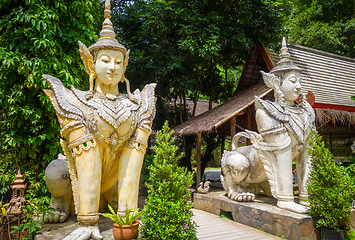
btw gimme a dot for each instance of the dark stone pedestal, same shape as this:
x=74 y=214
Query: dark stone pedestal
x=262 y=214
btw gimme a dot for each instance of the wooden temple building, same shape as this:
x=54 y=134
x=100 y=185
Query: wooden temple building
x=330 y=77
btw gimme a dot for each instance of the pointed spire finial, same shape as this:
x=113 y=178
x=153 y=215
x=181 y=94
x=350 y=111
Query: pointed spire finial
x=107 y=38
x=284 y=42
x=285 y=63
x=107 y=5
x=107 y=27
x=284 y=55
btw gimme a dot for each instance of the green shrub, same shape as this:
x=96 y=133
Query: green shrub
x=167 y=213
x=350 y=235
x=148 y=160
x=330 y=187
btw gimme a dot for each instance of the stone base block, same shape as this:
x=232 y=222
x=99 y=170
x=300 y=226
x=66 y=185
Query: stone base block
x=262 y=214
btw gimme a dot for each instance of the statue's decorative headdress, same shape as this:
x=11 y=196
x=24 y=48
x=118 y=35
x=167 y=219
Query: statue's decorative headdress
x=107 y=40
x=273 y=78
x=285 y=64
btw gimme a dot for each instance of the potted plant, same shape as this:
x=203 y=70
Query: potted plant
x=330 y=190
x=124 y=228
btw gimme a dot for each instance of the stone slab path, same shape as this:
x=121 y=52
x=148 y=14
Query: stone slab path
x=212 y=227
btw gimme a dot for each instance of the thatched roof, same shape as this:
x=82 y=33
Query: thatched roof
x=336 y=117
x=211 y=120
x=202 y=106
x=337 y=123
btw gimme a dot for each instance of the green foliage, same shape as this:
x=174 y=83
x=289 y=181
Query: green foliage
x=330 y=187
x=180 y=44
x=226 y=215
x=7 y=177
x=31 y=222
x=30 y=219
x=327 y=25
x=148 y=160
x=350 y=235
x=167 y=213
x=129 y=218
x=37 y=37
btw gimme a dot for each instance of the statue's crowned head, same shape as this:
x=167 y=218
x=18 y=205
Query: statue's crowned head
x=285 y=78
x=107 y=38
x=112 y=54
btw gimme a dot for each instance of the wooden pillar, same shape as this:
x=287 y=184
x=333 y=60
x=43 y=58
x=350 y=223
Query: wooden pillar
x=248 y=123
x=223 y=139
x=198 y=160
x=233 y=121
x=330 y=143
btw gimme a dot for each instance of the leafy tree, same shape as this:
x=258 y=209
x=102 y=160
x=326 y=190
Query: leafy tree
x=327 y=25
x=167 y=213
x=38 y=37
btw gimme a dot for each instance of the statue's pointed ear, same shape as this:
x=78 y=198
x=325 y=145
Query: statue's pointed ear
x=270 y=80
x=88 y=63
x=126 y=58
x=87 y=58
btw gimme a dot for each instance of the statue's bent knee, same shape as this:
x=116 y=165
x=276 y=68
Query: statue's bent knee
x=59 y=185
x=235 y=167
x=57 y=177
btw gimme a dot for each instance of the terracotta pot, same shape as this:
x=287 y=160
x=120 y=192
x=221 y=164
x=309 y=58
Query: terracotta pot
x=125 y=232
x=330 y=234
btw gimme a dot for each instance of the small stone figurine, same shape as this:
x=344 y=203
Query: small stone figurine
x=18 y=191
x=104 y=135
x=204 y=187
x=283 y=128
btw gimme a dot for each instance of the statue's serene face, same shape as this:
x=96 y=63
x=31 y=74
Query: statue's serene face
x=291 y=85
x=109 y=66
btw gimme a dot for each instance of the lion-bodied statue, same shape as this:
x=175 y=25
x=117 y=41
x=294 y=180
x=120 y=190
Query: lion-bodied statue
x=283 y=128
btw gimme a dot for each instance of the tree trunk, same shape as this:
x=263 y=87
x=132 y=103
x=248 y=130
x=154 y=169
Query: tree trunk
x=184 y=95
x=235 y=77
x=189 y=144
x=181 y=107
x=211 y=98
x=198 y=160
x=226 y=79
x=223 y=140
x=196 y=92
x=211 y=145
x=248 y=124
x=232 y=123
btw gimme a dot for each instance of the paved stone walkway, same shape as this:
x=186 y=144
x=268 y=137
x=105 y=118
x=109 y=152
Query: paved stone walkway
x=212 y=227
